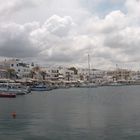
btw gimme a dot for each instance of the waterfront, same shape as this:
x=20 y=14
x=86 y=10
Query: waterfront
x=103 y=113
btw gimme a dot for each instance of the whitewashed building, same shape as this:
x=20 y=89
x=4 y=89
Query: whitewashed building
x=59 y=74
x=52 y=73
x=83 y=74
x=21 y=68
x=67 y=74
x=92 y=75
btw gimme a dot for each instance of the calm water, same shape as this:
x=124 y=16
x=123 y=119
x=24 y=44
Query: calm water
x=104 y=113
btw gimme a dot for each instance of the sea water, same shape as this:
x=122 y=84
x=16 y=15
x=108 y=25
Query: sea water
x=102 y=113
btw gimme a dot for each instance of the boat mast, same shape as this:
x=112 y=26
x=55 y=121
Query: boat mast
x=117 y=68
x=89 y=68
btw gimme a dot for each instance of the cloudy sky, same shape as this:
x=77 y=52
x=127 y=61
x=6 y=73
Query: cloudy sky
x=64 y=32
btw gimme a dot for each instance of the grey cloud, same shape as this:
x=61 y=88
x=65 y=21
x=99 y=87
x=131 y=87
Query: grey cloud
x=127 y=39
x=60 y=57
x=30 y=39
x=17 y=48
x=114 y=41
x=125 y=43
x=16 y=42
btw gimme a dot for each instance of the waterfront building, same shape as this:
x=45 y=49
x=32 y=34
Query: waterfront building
x=94 y=75
x=83 y=74
x=120 y=74
x=97 y=76
x=67 y=74
x=51 y=73
x=59 y=74
x=22 y=69
x=135 y=75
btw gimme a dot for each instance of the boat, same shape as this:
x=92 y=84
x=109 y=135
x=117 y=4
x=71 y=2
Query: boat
x=40 y=87
x=7 y=95
x=87 y=85
x=14 y=88
x=115 y=84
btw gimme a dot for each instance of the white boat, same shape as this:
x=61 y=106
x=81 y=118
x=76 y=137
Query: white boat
x=115 y=84
x=14 y=88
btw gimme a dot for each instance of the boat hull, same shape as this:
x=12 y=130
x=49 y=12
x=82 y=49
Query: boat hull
x=7 y=95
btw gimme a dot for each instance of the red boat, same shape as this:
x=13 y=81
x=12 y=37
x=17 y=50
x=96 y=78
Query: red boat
x=7 y=95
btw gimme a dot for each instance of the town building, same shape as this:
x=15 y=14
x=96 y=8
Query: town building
x=51 y=73
x=22 y=69
x=92 y=75
x=67 y=74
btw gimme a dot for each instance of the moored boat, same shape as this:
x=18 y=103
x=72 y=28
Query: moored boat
x=14 y=88
x=40 y=87
x=7 y=95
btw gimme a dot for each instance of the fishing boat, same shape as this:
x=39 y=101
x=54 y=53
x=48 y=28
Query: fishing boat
x=40 y=87
x=7 y=95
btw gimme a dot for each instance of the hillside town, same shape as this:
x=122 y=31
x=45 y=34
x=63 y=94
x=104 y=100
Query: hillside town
x=18 y=70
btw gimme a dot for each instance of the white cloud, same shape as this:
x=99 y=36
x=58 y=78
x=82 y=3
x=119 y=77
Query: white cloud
x=133 y=7
x=58 y=26
x=115 y=20
x=10 y=7
x=133 y=10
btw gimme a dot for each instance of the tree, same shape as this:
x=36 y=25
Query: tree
x=11 y=73
x=73 y=69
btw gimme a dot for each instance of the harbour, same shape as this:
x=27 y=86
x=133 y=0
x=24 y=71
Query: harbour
x=69 y=70
x=75 y=114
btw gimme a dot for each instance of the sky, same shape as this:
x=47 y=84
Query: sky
x=64 y=32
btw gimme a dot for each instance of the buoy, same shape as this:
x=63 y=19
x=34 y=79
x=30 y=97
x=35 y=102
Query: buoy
x=14 y=114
